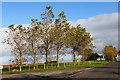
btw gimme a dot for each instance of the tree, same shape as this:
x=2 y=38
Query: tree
x=58 y=33
x=85 y=44
x=79 y=40
x=16 y=39
x=93 y=56
x=33 y=40
x=46 y=26
x=87 y=53
x=73 y=37
x=110 y=53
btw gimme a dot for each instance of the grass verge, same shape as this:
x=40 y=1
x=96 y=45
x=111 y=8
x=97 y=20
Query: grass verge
x=68 y=65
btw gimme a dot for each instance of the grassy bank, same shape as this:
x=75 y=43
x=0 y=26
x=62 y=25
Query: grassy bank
x=52 y=66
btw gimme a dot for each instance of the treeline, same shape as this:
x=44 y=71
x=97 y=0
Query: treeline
x=49 y=33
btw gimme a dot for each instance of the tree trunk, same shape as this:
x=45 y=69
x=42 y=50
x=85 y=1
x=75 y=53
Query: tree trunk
x=74 y=54
x=20 y=60
x=83 y=61
x=46 y=58
x=20 y=68
x=83 y=58
x=44 y=66
x=34 y=60
x=33 y=52
x=9 y=68
x=57 y=58
x=29 y=67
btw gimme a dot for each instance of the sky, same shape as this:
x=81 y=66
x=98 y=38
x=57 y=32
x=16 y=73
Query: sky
x=99 y=18
x=23 y=12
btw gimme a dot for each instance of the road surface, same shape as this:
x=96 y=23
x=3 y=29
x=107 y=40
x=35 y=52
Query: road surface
x=108 y=72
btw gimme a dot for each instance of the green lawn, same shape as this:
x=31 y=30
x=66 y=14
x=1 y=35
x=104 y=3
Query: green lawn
x=52 y=66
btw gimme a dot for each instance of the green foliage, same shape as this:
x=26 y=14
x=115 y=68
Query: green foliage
x=93 y=56
x=79 y=40
x=58 y=33
x=87 y=53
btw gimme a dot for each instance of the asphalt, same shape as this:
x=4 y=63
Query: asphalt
x=108 y=72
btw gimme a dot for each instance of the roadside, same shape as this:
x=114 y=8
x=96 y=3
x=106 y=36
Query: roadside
x=107 y=71
x=52 y=66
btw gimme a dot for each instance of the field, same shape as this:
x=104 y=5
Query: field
x=52 y=66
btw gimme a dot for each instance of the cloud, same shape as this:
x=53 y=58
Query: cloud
x=5 y=52
x=4 y=48
x=103 y=28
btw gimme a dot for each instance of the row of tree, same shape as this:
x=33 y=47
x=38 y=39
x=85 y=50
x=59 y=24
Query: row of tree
x=47 y=34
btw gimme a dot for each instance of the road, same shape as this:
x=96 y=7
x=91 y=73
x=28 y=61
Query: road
x=108 y=71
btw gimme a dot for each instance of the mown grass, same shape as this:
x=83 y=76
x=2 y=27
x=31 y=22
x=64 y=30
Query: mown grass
x=52 y=66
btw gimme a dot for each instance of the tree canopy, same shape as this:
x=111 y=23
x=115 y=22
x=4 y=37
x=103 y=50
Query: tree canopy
x=110 y=53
